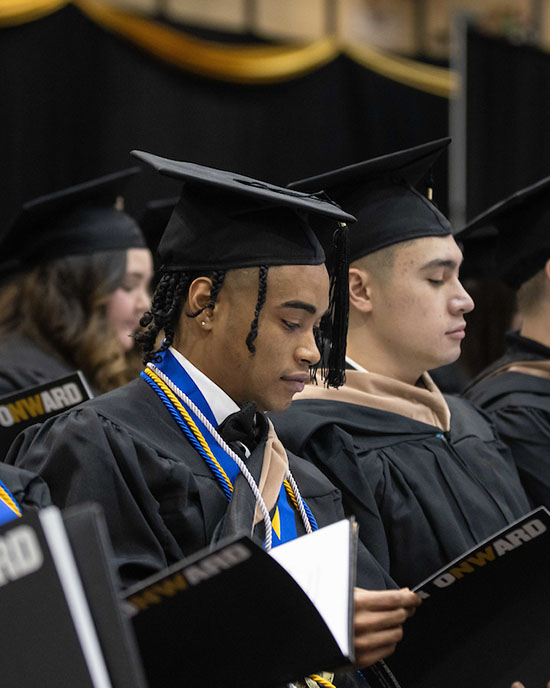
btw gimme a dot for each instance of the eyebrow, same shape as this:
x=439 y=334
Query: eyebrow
x=301 y=305
x=440 y=263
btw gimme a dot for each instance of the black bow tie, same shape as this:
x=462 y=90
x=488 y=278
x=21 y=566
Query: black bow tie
x=241 y=427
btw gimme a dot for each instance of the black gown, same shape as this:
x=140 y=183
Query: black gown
x=28 y=489
x=161 y=501
x=25 y=364
x=519 y=405
x=421 y=496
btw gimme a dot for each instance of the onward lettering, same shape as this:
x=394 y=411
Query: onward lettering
x=53 y=399
x=192 y=575
x=498 y=548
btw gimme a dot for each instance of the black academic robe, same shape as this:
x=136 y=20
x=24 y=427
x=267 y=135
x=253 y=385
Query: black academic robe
x=161 y=501
x=28 y=489
x=519 y=405
x=421 y=496
x=25 y=364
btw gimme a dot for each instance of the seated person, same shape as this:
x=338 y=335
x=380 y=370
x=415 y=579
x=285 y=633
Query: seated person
x=75 y=274
x=184 y=455
x=425 y=474
x=515 y=389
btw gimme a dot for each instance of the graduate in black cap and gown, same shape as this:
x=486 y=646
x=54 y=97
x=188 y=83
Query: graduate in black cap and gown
x=515 y=389
x=74 y=282
x=184 y=455
x=424 y=473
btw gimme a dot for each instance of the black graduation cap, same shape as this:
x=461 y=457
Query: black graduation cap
x=78 y=220
x=154 y=220
x=380 y=193
x=225 y=221
x=516 y=233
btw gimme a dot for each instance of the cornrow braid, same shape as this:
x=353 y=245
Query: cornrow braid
x=262 y=291
x=164 y=313
x=166 y=308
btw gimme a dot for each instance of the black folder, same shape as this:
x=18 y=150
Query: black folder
x=63 y=626
x=485 y=618
x=233 y=616
x=36 y=404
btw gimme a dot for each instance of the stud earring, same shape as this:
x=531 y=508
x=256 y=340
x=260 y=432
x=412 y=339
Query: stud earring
x=203 y=322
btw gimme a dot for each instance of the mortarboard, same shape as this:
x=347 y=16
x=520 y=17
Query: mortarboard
x=515 y=234
x=380 y=193
x=225 y=220
x=154 y=220
x=80 y=219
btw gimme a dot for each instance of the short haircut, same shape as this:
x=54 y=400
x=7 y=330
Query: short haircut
x=381 y=263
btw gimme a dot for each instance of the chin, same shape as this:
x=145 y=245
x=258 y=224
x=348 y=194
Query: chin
x=276 y=406
x=126 y=342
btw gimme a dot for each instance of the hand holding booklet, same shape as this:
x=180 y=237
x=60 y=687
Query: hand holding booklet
x=240 y=616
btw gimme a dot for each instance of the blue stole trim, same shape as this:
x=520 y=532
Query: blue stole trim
x=284 y=519
x=9 y=508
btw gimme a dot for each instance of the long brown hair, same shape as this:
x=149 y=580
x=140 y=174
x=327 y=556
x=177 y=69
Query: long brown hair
x=62 y=306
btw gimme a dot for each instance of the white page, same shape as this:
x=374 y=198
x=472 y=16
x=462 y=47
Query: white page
x=58 y=542
x=319 y=563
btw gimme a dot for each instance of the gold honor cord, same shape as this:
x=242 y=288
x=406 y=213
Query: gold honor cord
x=8 y=501
x=190 y=422
x=197 y=433
x=239 y=63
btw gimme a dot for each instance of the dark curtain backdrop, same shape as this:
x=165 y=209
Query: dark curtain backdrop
x=508 y=119
x=74 y=100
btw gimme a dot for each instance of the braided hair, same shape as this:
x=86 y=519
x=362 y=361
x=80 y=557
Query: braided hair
x=167 y=304
x=262 y=291
x=166 y=308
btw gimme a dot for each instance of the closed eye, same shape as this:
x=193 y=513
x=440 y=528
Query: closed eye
x=291 y=325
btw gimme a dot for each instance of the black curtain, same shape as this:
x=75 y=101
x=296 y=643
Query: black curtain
x=75 y=99
x=508 y=115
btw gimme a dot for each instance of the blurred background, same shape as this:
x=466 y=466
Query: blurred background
x=275 y=89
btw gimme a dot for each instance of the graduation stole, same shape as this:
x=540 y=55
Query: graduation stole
x=191 y=411
x=9 y=509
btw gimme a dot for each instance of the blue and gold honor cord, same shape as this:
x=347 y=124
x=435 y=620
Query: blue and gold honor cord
x=192 y=432
x=9 y=509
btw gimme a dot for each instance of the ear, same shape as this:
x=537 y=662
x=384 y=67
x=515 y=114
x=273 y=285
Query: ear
x=360 y=290
x=547 y=269
x=198 y=299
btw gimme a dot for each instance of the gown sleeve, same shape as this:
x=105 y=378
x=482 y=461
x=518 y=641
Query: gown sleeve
x=83 y=457
x=526 y=432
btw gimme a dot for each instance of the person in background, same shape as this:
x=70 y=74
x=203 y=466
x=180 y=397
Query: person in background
x=75 y=273
x=425 y=474
x=515 y=389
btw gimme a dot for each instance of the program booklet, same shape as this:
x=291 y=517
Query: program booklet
x=485 y=618
x=236 y=615
x=36 y=404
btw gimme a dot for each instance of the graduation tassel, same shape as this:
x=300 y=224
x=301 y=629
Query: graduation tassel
x=339 y=309
x=430 y=189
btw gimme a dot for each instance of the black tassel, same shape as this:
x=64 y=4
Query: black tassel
x=335 y=327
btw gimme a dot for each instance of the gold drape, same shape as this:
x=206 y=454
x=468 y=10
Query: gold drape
x=238 y=63
x=13 y=12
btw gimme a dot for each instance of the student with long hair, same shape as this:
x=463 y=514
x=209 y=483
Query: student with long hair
x=76 y=273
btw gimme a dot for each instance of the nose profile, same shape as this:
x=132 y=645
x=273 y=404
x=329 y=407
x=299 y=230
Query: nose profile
x=462 y=302
x=308 y=351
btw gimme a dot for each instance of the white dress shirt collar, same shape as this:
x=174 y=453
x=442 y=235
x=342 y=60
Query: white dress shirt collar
x=220 y=403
